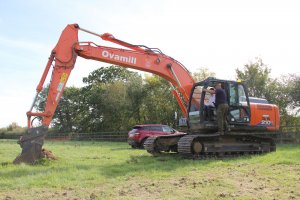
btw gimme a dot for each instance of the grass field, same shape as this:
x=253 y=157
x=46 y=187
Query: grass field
x=107 y=170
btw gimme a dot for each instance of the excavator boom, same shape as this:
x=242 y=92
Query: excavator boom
x=63 y=58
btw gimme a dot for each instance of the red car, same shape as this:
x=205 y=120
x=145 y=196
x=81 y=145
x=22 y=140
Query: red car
x=138 y=135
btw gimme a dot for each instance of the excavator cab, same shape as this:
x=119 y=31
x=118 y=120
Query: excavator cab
x=237 y=97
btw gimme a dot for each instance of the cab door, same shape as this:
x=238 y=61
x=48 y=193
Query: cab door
x=196 y=115
x=239 y=107
x=195 y=109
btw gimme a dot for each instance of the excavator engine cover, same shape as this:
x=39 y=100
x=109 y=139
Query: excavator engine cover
x=31 y=143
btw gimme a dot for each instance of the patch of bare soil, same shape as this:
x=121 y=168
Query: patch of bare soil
x=256 y=184
x=55 y=194
x=48 y=154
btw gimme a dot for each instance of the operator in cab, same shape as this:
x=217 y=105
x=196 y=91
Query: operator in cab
x=222 y=107
x=210 y=105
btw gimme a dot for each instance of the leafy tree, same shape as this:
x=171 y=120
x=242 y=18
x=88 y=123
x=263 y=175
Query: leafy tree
x=284 y=92
x=136 y=94
x=293 y=87
x=116 y=107
x=256 y=75
x=68 y=109
x=109 y=75
x=202 y=74
x=13 y=126
x=276 y=93
x=159 y=105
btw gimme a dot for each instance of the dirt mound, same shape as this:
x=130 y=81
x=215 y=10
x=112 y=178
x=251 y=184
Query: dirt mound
x=48 y=154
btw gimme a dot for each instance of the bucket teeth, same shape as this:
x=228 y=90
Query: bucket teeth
x=31 y=143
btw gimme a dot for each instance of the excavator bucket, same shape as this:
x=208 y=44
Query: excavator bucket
x=31 y=143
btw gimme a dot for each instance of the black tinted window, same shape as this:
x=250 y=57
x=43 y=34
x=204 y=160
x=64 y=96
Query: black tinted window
x=155 y=128
x=145 y=128
x=137 y=127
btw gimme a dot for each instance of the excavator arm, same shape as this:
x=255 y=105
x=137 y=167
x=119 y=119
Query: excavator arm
x=63 y=58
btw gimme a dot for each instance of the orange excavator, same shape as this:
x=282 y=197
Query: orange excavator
x=250 y=123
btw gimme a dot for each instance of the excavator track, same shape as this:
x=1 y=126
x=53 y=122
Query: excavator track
x=210 y=146
x=150 y=146
x=191 y=146
x=204 y=147
x=164 y=143
x=188 y=145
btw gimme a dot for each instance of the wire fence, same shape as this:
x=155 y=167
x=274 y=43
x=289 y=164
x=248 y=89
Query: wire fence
x=290 y=134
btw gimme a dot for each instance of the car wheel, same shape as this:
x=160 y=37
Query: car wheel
x=142 y=143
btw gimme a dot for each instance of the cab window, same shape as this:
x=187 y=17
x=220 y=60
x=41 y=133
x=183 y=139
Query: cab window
x=196 y=97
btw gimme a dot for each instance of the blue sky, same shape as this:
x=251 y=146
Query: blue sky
x=219 y=35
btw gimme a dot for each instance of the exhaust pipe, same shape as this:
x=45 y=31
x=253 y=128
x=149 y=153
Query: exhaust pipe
x=31 y=143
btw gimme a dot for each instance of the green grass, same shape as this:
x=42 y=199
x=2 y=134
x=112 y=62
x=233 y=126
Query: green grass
x=107 y=170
